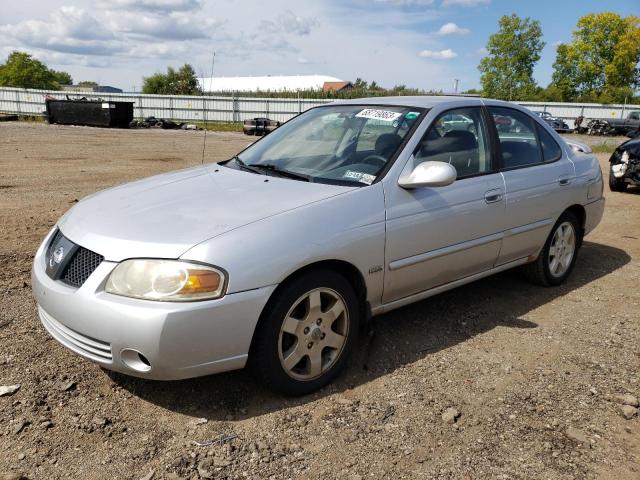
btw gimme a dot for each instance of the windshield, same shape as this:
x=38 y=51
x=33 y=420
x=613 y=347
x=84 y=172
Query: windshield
x=343 y=144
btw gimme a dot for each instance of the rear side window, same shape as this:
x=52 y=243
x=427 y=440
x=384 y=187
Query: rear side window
x=517 y=135
x=551 y=151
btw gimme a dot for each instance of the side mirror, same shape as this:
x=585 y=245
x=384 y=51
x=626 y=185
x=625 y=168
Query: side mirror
x=429 y=174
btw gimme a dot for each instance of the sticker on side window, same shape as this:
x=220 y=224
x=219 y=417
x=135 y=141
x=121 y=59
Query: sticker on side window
x=376 y=114
x=359 y=176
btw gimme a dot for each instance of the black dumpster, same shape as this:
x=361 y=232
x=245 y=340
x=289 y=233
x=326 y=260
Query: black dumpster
x=95 y=113
x=259 y=126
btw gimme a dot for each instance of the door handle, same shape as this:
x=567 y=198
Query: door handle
x=564 y=181
x=492 y=196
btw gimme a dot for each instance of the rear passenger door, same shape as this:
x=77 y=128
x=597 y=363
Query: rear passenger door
x=537 y=177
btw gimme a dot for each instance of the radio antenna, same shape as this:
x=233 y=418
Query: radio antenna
x=204 y=110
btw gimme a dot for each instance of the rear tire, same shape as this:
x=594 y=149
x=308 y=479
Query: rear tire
x=306 y=333
x=558 y=256
x=616 y=184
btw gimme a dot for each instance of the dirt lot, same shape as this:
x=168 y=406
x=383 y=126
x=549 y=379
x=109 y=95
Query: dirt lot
x=532 y=372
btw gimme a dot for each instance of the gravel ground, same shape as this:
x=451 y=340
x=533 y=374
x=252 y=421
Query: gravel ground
x=498 y=379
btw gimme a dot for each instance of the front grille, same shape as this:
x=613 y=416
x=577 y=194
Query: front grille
x=92 y=348
x=82 y=264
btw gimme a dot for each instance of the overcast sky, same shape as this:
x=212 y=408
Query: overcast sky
x=419 y=43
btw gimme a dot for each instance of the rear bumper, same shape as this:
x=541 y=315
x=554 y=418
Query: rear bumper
x=178 y=340
x=594 y=211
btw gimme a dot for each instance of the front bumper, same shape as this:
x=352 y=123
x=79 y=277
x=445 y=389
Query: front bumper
x=177 y=340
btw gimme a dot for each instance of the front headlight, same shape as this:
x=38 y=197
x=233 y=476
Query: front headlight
x=625 y=157
x=166 y=280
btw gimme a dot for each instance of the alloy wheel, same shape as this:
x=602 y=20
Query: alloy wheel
x=562 y=249
x=313 y=334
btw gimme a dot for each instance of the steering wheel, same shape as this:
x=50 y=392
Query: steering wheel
x=375 y=160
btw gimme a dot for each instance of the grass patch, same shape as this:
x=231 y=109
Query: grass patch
x=211 y=126
x=604 y=147
x=220 y=126
x=27 y=118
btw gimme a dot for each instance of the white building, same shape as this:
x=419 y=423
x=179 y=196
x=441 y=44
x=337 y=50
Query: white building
x=270 y=83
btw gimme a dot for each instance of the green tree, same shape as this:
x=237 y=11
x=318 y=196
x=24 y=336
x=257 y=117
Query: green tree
x=601 y=61
x=360 y=84
x=175 y=82
x=23 y=71
x=63 y=78
x=88 y=83
x=507 y=69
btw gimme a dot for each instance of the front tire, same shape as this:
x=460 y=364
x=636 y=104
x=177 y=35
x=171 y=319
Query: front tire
x=306 y=333
x=558 y=256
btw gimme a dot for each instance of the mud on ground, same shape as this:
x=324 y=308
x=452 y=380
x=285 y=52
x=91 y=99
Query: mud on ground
x=532 y=372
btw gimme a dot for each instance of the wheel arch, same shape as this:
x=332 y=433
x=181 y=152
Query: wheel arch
x=349 y=271
x=581 y=214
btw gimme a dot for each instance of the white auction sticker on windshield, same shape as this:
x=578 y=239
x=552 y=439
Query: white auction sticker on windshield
x=359 y=177
x=376 y=114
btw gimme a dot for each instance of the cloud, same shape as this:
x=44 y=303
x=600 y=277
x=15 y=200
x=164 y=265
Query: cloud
x=173 y=26
x=483 y=51
x=159 y=6
x=138 y=37
x=464 y=3
x=452 y=29
x=446 y=54
x=74 y=31
x=68 y=30
x=288 y=22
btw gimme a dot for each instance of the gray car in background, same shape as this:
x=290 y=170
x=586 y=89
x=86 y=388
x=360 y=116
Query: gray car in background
x=276 y=257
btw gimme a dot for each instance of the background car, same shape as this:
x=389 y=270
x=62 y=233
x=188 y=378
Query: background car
x=625 y=166
x=557 y=124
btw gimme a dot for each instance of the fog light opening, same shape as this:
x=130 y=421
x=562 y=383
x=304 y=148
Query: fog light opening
x=144 y=360
x=135 y=360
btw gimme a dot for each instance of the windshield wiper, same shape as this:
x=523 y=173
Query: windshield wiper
x=244 y=166
x=269 y=167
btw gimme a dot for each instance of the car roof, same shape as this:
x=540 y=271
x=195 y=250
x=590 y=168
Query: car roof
x=424 y=101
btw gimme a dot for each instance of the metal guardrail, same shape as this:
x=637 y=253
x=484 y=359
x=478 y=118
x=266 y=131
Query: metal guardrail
x=236 y=109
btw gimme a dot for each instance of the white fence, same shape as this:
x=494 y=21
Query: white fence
x=173 y=107
x=236 y=109
x=570 y=111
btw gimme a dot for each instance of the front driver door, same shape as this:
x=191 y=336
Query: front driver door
x=440 y=234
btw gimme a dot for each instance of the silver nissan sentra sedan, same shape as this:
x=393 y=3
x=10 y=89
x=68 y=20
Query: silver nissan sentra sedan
x=276 y=257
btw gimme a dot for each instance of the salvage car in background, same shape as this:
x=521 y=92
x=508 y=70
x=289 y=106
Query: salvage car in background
x=277 y=256
x=557 y=124
x=622 y=126
x=625 y=166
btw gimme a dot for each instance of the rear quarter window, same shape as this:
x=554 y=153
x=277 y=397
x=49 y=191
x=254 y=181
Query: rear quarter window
x=551 y=151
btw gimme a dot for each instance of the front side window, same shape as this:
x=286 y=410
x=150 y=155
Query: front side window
x=344 y=144
x=458 y=137
x=518 y=140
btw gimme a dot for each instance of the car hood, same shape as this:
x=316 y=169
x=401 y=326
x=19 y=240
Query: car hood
x=165 y=215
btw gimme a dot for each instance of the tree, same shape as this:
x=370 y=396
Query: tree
x=360 y=84
x=63 y=78
x=88 y=84
x=601 y=61
x=507 y=70
x=24 y=71
x=180 y=82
